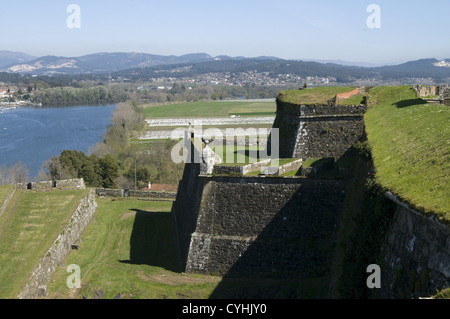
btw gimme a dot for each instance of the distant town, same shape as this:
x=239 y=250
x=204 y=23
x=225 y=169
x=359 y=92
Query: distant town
x=243 y=78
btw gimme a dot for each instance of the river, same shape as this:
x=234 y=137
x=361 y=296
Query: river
x=33 y=135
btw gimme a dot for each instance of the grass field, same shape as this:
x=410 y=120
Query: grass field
x=410 y=143
x=242 y=155
x=210 y=109
x=314 y=96
x=4 y=191
x=28 y=227
x=130 y=249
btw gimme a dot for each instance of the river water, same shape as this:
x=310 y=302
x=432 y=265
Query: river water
x=33 y=135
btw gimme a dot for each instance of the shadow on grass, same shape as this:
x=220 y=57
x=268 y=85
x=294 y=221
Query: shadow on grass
x=412 y=102
x=153 y=241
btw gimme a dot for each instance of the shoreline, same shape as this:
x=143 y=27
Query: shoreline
x=13 y=105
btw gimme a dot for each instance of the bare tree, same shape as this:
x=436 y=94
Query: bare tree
x=18 y=173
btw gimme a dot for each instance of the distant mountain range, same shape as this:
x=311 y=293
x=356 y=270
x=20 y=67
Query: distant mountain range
x=147 y=65
x=10 y=58
x=16 y=62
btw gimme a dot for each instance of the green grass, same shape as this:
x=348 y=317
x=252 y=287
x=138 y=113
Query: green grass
x=130 y=249
x=313 y=162
x=410 y=147
x=28 y=228
x=284 y=161
x=210 y=109
x=314 y=96
x=354 y=100
x=444 y=294
x=4 y=192
x=242 y=155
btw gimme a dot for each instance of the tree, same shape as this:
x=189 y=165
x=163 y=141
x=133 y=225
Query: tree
x=109 y=171
x=18 y=173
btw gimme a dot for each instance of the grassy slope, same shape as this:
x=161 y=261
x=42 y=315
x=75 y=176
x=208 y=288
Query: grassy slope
x=28 y=228
x=210 y=109
x=314 y=96
x=4 y=191
x=130 y=249
x=410 y=146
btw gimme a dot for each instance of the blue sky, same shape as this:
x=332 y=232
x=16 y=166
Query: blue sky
x=319 y=29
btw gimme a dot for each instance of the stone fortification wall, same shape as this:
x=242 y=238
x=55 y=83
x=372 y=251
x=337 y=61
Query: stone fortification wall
x=77 y=183
x=70 y=184
x=416 y=256
x=36 y=286
x=256 y=226
x=107 y=192
x=444 y=94
x=313 y=131
x=425 y=90
x=42 y=186
x=186 y=207
x=152 y=194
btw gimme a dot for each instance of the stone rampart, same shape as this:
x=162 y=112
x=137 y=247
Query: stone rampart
x=256 y=226
x=106 y=192
x=66 y=184
x=152 y=194
x=314 y=131
x=425 y=90
x=186 y=207
x=36 y=285
x=416 y=256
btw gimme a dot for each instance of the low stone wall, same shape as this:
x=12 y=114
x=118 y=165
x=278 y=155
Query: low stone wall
x=280 y=170
x=295 y=165
x=425 y=90
x=70 y=184
x=22 y=186
x=66 y=184
x=36 y=286
x=42 y=186
x=241 y=170
x=106 y=192
x=152 y=194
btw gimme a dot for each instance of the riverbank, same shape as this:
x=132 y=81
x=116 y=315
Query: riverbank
x=4 y=106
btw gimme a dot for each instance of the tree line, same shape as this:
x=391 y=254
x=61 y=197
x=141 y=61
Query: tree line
x=72 y=95
x=17 y=173
x=183 y=92
x=96 y=172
